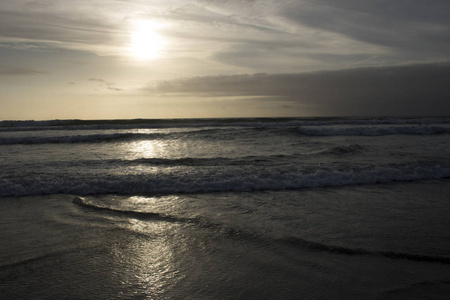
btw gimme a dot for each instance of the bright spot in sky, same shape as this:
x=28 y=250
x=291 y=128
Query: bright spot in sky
x=146 y=42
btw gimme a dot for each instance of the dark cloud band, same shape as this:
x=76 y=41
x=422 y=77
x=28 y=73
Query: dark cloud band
x=412 y=90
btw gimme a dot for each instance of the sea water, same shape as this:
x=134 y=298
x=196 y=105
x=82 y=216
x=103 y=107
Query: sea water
x=281 y=208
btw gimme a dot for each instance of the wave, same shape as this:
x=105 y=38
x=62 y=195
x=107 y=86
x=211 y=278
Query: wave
x=373 y=130
x=271 y=160
x=52 y=256
x=135 y=214
x=94 y=138
x=205 y=134
x=350 y=149
x=209 y=180
x=224 y=134
x=196 y=123
x=289 y=241
x=195 y=162
x=315 y=246
x=212 y=161
x=152 y=216
x=434 y=286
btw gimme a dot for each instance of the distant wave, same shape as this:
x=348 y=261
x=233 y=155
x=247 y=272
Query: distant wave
x=350 y=149
x=94 y=138
x=209 y=134
x=209 y=180
x=229 y=134
x=196 y=123
x=372 y=130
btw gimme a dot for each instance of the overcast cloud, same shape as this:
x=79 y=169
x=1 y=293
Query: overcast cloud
x=256 y=34
x=319 y=53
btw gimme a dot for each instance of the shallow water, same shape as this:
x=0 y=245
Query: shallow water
x=364 y=242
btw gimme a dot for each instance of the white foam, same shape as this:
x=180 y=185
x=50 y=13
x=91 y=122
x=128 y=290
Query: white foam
x=203 y=181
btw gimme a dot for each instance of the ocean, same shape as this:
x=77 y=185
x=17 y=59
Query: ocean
x=247 y=208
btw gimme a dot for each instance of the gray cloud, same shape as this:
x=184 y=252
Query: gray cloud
x=59 y=24
x=409 y=26
x=97 y=80
x=261 y=35
x=51 y=27
x=323 y=34
x=108 y=85
x=14 y=71
x=400 y=90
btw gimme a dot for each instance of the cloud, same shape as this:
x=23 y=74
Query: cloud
x=222 y=31
x=108 y=85
x=58 y=25
x=406 y=26
x=245 y=35
x=13 y=71
x=97 y=80
x=403 y=90
x=323 y=34
x=313 y=35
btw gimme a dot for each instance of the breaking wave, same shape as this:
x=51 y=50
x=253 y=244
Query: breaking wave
x=208 y=180
x=213 y=134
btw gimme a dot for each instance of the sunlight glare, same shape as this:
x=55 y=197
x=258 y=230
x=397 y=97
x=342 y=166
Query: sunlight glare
x=146 y=42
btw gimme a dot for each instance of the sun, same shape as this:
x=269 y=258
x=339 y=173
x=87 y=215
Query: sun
x=146 y=42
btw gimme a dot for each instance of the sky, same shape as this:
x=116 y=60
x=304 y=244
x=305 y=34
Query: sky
x=120 y=59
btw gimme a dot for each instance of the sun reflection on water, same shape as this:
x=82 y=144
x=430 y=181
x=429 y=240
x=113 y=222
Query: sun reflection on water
x=145 y=149
x=146 y=260
x=167 y=205
x=147 y=264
